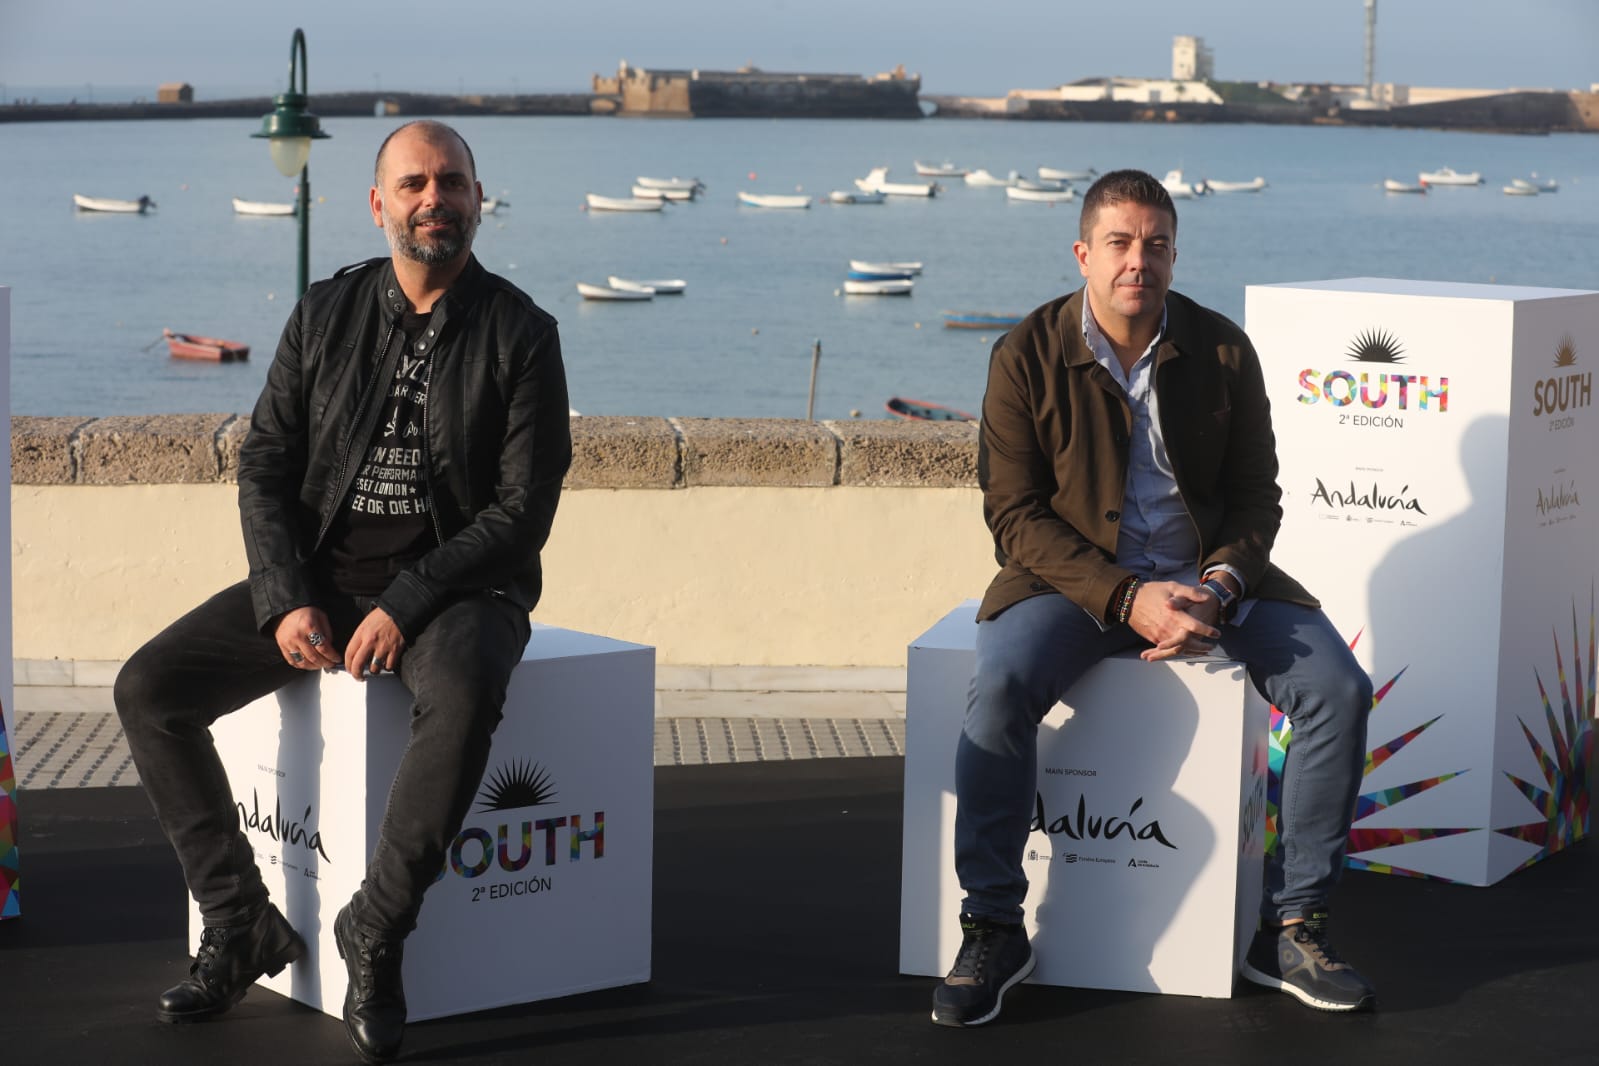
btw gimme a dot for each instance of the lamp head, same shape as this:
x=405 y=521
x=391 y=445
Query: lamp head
x=290 y=128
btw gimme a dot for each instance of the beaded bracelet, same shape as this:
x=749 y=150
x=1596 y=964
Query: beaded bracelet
x=1124 y=608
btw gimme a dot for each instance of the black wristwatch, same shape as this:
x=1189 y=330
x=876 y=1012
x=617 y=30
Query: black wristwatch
x=1224 y=596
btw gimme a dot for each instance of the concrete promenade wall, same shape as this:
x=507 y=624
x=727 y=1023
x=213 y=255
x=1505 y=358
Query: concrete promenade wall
x=739 y=549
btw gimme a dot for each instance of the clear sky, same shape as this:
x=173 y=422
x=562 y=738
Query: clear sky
x=231 y=48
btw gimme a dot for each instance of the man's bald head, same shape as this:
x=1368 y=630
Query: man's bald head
x=433 y=131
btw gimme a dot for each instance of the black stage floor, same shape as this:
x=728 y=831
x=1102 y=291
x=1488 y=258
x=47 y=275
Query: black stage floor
x=776 y=927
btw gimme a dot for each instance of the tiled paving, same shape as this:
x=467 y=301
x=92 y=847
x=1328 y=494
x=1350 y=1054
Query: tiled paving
x=85 y=749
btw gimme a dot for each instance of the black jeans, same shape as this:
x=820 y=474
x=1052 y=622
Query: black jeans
x=213 y=661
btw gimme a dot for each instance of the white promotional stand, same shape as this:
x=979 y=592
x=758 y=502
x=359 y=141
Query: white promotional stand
x=546 y=891
x=1144 y=864
x=1436 y=445
x=10 y=869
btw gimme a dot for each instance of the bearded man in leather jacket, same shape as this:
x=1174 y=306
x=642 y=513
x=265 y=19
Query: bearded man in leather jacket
x=397 y=485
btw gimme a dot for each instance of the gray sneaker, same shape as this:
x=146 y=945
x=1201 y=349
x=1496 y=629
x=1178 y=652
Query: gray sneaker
x=1297 y=960
x=993 y=957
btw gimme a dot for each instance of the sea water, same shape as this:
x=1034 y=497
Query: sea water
x=91 y=293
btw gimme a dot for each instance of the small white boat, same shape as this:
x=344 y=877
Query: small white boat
x=1390 y=185
x=693 y=185
x=1524 y=189
x=858 y=196
x=491 y=204
x=1236 y=186
x=659 y=286
x=1449 y=176
x=1180 y=189
x=1056 y=174
x=879 y=287
x=1042 y=185
x=1541 y=184
x=115 y=207
x=617 y=203
x=1017 y=194
x=648 y=192
x=983 y=178
x=876 y=180
x=939 y=170
x=879 y=266
x=607 y=292
x=756 y=199
x=263 y=208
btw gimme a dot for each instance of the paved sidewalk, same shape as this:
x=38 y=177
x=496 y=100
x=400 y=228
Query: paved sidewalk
x=80 y=748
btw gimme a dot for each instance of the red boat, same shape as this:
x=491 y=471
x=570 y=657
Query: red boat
x=923 y=411
x=206 y=349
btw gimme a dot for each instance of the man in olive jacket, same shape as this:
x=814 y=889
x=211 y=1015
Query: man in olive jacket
x=397 y=485
x=1129 y=471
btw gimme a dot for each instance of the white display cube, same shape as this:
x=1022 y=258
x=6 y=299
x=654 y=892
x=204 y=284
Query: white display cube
x=1144 y=864
x=546 y=891
x=1435 y=443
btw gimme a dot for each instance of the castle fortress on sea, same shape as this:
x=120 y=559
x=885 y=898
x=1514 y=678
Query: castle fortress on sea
x=751 y=92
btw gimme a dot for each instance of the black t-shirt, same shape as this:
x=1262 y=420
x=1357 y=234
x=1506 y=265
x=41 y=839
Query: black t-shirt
x=384 y=524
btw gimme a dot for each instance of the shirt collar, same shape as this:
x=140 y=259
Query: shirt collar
x=1103 y=352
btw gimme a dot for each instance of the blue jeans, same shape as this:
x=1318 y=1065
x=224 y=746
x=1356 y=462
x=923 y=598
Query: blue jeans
x=213 y=661
x=1028 y=659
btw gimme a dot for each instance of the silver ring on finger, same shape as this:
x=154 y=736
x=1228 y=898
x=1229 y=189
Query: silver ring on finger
x=314 y=639
x=376 y=667
x=296 y=658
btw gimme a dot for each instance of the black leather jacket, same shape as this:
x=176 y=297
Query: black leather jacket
x=496 y=435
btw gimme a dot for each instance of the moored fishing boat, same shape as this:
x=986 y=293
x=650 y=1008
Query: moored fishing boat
x=878 y=286
x=858 y=196
x=607 y=292
x=1254 y=185
x=263 y=208
x=1057 y=174
x=876 y=180
x=925 y=411
x=113 y=207
x=204 y=349
x=649 y=192
x=1449 y=176
x=617 y=203
x=1392 y=185
x=1018 y=194
x=898 y=267
x=755 y=199
x=982 y=178
x=979 y=319
x=693 y=185
x=940 y=170
x=659 y=286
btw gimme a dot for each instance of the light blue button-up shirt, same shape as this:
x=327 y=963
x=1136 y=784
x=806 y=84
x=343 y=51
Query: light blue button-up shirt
x=1157 y=539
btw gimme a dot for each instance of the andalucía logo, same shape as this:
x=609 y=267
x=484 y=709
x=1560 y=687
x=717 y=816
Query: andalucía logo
x=302 y=833
x=1385 y=390
x=1362 y=498
x=1562 y=393
x=1560 y=497
x=510 y=844
x=1098 y=827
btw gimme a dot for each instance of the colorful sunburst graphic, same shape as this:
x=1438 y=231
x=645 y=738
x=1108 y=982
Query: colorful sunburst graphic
x=517 y=784
x=10 y=872
x=1364 y=839
x=1376 y=346
x=1562 y=797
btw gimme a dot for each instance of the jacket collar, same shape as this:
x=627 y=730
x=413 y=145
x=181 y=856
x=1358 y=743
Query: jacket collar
x=1077 y=352
x=460 y=295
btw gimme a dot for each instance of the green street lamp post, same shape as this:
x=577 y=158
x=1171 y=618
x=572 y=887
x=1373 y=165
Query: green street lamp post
x=290 y=129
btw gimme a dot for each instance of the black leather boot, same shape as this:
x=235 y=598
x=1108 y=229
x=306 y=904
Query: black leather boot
x=374 y=1006
x=230 y=959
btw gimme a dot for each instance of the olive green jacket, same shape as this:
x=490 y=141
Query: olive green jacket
x=1053 y=451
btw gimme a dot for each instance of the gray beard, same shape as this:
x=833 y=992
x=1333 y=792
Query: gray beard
x=433 y=251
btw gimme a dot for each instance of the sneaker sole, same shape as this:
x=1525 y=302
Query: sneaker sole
x=1254 y=976
x=1017 y=978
